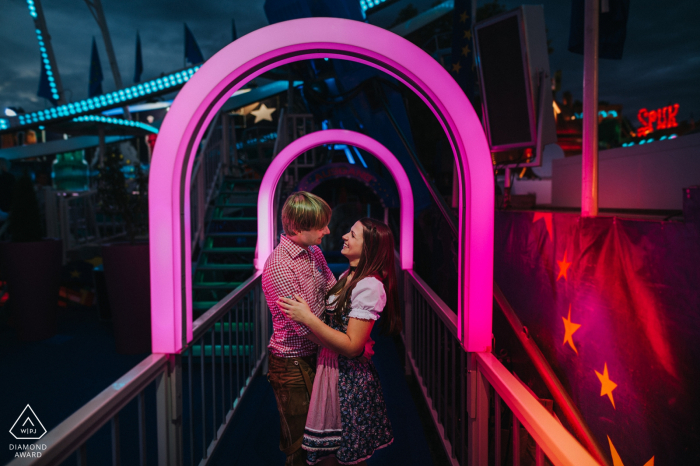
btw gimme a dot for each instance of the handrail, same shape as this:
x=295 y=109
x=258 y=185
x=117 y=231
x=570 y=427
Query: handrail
x=447 y=315
x=69 y=435
x=558 y=444
x=551 y=381
x=207 y=320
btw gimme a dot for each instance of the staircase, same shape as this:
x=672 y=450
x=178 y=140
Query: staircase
x=226 y=258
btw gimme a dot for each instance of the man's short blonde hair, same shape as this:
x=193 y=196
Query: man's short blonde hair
x=304 y=211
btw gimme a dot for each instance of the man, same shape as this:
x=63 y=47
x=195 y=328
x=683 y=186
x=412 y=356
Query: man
x=296 y=266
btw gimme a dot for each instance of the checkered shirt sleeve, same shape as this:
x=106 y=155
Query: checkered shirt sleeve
x=292 y=270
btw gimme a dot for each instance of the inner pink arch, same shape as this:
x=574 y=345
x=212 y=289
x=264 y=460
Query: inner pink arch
x=267 y=48
x=266 y=212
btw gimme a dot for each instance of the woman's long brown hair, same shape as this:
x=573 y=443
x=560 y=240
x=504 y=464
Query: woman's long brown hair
x=377 y=260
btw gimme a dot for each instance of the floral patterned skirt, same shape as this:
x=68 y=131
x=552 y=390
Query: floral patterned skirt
x=364 y=421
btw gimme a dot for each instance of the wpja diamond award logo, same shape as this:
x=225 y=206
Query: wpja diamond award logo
x=28 y=427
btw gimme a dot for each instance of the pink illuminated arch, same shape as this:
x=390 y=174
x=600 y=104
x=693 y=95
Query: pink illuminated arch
x=267 y=48
x=266 y=213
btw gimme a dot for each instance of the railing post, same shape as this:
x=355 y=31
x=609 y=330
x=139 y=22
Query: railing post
x=201 y=201
x=408 y=320
x=478 y=408
x=169 y=409
x=224 y=142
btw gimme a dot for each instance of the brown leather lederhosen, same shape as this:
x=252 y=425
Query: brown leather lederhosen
x=292 y=380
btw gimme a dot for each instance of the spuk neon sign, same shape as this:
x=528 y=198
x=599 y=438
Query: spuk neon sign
x=664 y=117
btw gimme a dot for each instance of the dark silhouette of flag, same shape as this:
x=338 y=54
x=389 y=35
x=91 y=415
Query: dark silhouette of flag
x=44 y=86
x=462 y=67
x=193 y=54
x=95 y=84
x=234 y=34
x=612 y=28
x=138 y=67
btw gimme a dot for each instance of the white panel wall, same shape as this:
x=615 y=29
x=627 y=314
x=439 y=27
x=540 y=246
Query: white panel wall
x=648 y=176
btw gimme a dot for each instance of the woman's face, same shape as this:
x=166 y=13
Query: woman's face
x=352 y=244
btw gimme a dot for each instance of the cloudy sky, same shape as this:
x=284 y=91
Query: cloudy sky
x=661 y=63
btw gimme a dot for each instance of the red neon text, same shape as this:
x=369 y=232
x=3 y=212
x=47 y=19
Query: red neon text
x=663 y=117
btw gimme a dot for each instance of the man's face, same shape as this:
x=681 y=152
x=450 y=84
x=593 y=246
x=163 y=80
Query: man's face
x=311 y=237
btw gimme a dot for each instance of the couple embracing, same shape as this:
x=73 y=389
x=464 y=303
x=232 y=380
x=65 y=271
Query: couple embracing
x=330 y=401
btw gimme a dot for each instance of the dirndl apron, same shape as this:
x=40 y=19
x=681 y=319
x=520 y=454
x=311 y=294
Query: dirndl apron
x=323 y=430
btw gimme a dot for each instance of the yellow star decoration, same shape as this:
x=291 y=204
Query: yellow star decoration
x=465 y=50
x=75 y=274
x=263 y=113
x=467 y=35
x=569 y=330
x=563 y=267
x=463 y=17
x=456 y=67
x=606 y=385
x=617 y=461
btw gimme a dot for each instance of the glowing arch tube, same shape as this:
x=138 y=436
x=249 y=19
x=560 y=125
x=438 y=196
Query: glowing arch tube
x=266 y=212
x=268 y=48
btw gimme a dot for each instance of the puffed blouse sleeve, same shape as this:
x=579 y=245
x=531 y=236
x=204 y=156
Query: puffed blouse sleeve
x=368 y=299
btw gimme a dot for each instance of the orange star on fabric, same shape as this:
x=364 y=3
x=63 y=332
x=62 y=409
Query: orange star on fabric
x=456 y=67
x=463 y=17
x=547 y=217
x=606 y=385
x=563 y=267
x=467 y=35
x=465 y=50
x=569 y=330
x=617 y=461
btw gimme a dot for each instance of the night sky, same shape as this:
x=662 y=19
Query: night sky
x=660 y=66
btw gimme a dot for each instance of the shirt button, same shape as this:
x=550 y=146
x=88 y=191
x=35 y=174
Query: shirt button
x=296 y=363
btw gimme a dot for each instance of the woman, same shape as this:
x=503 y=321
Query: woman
x=347 y=418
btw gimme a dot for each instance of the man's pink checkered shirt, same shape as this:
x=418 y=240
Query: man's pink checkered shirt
x=291 y=270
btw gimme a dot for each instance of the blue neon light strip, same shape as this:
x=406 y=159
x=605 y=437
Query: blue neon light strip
x=367 y=4
x=173 y=80
x=116 y=121
x=44 y=56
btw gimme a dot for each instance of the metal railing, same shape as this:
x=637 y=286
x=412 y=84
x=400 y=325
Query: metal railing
x=70 y=437
x=229 y=348
x=457 y=387
x=74 y=218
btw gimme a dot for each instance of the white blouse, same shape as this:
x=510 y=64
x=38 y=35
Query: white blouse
x=368 y=299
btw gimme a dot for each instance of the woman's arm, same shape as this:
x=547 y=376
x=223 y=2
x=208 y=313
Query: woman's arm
x=350 y=344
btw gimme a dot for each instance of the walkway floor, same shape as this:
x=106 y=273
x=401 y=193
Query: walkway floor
x=256 y=425
x=57 y=376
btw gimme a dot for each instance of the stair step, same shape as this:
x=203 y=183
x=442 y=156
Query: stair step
x=233 y=350
x=203 y=305
x=216 y=285
x=225 y=267
x=213 y=249
x=236 y=204
x=218 y=234
x=238 y=219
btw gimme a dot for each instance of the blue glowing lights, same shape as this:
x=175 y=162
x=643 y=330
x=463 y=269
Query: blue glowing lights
x=116 y=121
x=367 y=4
x=108 y=100
x=32 y=9
x=4 y=123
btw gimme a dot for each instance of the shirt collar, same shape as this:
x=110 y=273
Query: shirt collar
x=292 y=248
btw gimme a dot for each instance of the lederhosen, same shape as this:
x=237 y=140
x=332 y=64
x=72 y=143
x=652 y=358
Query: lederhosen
x=292 y=380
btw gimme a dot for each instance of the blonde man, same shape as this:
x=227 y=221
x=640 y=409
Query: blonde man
x=296 y=266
